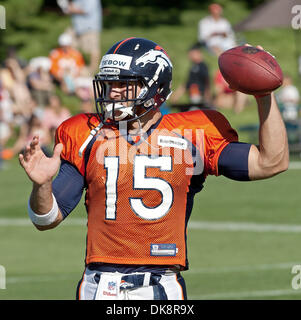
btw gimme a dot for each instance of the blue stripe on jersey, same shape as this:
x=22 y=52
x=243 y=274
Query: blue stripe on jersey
x=233 y=161
x=68 y=187
x=87 y=153
x=196 y=185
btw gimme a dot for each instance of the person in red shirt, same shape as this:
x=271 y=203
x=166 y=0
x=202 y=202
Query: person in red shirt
x=141 y=171
x=54 y=114
x=225 y=97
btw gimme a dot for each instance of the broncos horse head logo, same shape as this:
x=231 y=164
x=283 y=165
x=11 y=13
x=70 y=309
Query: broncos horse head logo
x=154 y=57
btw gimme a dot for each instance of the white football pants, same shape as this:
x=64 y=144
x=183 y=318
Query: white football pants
x=96 y=285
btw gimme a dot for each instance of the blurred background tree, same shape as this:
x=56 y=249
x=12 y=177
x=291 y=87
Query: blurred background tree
x=32 y=26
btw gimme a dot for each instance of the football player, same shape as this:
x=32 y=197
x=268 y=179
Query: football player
x=140 y=172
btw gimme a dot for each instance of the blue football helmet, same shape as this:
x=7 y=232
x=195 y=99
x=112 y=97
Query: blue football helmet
x=133 y=62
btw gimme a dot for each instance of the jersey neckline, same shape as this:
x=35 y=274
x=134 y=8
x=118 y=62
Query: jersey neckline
x=145 y=135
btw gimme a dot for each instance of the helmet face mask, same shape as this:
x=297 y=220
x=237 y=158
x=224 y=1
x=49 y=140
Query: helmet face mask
x=117 y=109
x=142 y=69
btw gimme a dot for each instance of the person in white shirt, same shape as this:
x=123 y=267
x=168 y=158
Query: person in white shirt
x=215 y=31
x=288 y=98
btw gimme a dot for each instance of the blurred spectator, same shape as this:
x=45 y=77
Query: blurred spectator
x=83 y=88
x=39 y=80
x=28 y=130
x=86 y=16
x=54 y=114
x=84 y=91
x=13 y=79
x=215 y=32
x=288 y=99
x=87 y=106
x=6 y=116
x=226 y=98
x=66 y=63
x=198 y=83
x=12 y=53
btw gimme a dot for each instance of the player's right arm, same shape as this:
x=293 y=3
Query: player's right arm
x=65 y=190
x=62 y=194
x=41 y=170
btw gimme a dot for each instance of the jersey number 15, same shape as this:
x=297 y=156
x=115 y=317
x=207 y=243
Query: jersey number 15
x=140 y=182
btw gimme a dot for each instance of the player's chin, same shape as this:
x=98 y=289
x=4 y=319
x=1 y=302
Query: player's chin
x=117 y=114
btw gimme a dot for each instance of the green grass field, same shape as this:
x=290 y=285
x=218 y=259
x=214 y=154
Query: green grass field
x=243 y=241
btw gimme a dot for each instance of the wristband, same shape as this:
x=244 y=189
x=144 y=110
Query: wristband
x=44 y=219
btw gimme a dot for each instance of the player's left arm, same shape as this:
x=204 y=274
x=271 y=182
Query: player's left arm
x=272 y=155
x=243 y=162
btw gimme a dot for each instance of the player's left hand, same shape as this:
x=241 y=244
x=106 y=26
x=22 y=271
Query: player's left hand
x=258 y=96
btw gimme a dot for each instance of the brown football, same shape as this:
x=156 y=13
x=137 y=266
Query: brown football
x=250 y=70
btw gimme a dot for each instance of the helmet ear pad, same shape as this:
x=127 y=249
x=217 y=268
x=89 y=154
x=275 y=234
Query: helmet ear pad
x=158 y=99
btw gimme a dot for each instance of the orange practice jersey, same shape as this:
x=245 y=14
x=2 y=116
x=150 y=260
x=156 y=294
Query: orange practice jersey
x=140 y=193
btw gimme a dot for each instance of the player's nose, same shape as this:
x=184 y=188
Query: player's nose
x=116 y=91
